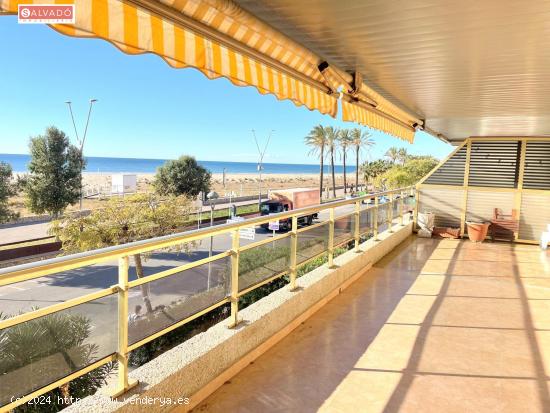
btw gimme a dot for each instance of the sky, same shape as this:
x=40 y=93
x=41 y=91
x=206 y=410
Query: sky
x=147 y=109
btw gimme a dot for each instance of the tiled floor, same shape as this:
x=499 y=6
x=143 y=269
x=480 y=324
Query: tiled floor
x=437 y=326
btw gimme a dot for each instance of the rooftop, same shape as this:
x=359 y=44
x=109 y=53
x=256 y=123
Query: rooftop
x=436 y=325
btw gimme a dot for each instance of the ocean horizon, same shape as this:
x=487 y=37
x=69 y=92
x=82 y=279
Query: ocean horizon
x=97 y=164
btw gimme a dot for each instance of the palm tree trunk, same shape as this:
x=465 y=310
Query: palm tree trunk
x=144 y=289
x=357 y=168
x=345 y=181
x=321 y=172
x=333 y=177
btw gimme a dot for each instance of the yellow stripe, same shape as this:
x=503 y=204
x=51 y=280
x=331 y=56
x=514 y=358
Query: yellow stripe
x=157 y=32
x=247 y=70
x=233 y=69
x=200 y=60
x=217 y=21
x=200 y=11
x=270 y=85
x=216 y=58
x=260 y=75
x=100 y=18
x=179 y=45
x=130 y=26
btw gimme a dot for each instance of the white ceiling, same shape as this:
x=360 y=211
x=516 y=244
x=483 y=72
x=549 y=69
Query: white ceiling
x=470 y=68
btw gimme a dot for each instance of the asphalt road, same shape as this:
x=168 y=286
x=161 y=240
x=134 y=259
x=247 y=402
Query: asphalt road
x=57 y=288
x=60 y=287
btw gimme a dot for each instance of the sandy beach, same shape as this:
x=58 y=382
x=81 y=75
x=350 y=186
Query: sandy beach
x=235 y=185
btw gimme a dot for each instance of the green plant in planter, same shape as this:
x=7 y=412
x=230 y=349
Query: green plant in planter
x=40 y=351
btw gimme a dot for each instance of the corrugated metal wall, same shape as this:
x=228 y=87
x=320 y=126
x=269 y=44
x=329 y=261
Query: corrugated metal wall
x=494 y=164
x=445 y=203
x=481 y=204
x=535 y=215
x=453 y=172
x=537 y=166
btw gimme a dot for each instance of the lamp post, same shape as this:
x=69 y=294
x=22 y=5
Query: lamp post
x=81 y=142
x=261 y=161
x=211 y=196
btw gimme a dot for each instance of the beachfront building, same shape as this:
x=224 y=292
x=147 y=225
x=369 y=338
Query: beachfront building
x=391 y=321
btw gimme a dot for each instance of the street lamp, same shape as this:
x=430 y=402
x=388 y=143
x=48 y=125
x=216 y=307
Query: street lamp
x=211 y=196
x=81 y=142
x=261 y=161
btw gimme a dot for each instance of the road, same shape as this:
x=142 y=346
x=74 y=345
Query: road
x=172 y=298
x=25 y=231
x=60 y=287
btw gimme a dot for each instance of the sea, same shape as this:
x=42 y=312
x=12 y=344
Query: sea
x=96 y=164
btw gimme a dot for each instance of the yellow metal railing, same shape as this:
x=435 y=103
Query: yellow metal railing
x=121 y=290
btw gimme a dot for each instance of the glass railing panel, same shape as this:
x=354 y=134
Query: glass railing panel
x=264 y=261
x=366 y=220
x=158 y=304
x=38 y=352
x=312 y=242
x=343 y=229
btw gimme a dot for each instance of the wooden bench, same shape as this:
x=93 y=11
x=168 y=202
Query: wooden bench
x=504 y=226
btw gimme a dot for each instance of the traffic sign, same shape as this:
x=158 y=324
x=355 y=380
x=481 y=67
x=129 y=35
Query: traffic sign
x=274 y=225
x=248 y=233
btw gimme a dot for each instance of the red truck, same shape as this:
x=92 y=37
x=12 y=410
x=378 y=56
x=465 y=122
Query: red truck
x=282 y=200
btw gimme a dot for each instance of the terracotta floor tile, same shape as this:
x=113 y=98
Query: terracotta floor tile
x=442 y=326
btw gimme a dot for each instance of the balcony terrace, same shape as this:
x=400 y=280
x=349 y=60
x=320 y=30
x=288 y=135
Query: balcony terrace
x=435 y=326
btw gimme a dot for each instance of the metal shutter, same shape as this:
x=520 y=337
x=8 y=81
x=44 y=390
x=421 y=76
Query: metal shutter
x=537 y=166
x=494 y=164
x=451 y=172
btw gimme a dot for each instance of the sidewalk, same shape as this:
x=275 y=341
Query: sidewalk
x=27 y=231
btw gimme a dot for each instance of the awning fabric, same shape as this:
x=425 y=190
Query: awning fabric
x=354 y=113
x=268 y=60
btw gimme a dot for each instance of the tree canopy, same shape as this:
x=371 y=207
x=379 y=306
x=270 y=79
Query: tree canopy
x=7 y=189
x=123 y=220
x=183 y=176
x=317 y=141
x=407 y=174
x=371 y=170
x=55 y=173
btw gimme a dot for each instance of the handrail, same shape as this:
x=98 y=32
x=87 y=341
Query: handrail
x=83 y=259
x=123 y=252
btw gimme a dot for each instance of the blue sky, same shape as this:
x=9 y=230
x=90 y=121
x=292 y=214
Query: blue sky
x=145 y=108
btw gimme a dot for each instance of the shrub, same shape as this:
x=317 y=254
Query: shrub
x=183 y=176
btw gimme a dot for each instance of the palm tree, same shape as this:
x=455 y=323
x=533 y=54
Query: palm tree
x=360 y=139
x=345 y=141
x=317 y=140
x=392 y=154
x=332 y=134
x=402 y=155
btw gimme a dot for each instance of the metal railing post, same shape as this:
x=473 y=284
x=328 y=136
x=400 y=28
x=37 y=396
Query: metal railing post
x=390 y=213
x=357 y=225
x=375 y=223
x=234 y=318
x=401 y=205
x=293 y=252
x=123 y=383
x=331 y=238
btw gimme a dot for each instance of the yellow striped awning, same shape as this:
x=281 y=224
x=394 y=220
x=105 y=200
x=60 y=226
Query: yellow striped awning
x=221 y=39
x=354 y=113
x=137 y=30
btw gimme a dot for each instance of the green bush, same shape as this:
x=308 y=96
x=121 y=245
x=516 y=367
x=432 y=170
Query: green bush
x=43 y=350
x=183 y=176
